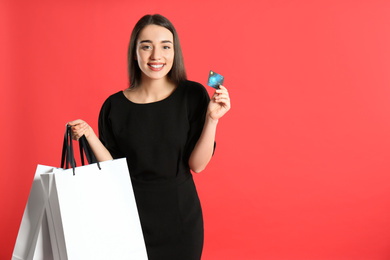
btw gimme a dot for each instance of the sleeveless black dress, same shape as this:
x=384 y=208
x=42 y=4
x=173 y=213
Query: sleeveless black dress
x=157 y=139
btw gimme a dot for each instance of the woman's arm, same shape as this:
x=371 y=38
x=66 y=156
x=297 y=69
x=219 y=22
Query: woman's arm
x=204 y=148
x=80 y=128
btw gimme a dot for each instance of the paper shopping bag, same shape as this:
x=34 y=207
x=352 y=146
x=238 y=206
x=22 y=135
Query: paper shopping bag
x=33 y=241
x=95 y=214
x=88 y=215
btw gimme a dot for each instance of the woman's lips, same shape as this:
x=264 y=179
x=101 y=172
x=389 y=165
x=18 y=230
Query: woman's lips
x=156 y=66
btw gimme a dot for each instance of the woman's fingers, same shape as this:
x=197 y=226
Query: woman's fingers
x=221 y=100
x=222 y=95
x=79 y=128
x=75 y=122
x=77 y=132
x=220 y=103
x=222 y=90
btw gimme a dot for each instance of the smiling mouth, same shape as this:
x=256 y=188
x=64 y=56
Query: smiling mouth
x=156 y=67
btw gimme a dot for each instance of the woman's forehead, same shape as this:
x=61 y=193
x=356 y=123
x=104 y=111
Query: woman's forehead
x=155 y=33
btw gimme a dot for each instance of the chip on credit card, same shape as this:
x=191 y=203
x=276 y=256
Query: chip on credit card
x=215 y=80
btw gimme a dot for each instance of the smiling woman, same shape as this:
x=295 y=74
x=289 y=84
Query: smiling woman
x=165 y=126
x=151 y=32
x=155 y=52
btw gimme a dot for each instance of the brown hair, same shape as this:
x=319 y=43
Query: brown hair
x=177 y=73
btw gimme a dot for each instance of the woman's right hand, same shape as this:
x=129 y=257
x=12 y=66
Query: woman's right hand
x=80 y=128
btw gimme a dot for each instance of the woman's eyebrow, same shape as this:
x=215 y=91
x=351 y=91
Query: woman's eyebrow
x=149 y=41
x=145 y=41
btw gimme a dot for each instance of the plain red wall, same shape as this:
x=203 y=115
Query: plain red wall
x=301 y=169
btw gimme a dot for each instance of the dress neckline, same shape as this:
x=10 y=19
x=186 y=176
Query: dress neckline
x=151 y=103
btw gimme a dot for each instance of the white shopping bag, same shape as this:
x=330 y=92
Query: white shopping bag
x=94 y=213
x=86 y=212
x=33 y=241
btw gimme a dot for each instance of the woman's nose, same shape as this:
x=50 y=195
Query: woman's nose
x=156 y=54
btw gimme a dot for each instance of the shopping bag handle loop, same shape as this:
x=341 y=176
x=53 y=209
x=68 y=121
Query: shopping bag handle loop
x=86 y=149
x=67 y=158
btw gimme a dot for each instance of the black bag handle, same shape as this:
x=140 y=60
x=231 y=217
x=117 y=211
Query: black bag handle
x=67 y=158
x=86 y=149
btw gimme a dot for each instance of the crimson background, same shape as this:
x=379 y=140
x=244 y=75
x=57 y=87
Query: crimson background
x=301 y=169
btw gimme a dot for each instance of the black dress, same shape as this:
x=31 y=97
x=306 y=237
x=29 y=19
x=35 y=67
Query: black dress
x=157 y=139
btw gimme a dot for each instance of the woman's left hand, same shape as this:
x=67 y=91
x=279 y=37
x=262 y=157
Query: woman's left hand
x=219 y=103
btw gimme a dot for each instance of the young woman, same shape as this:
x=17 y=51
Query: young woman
x=165 y=126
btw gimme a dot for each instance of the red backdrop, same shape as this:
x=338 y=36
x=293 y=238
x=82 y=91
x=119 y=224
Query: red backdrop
x=301 y=169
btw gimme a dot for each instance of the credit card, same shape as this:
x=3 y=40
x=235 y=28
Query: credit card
x=215 y=80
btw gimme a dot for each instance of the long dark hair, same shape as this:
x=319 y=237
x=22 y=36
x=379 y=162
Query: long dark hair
x=177 y=73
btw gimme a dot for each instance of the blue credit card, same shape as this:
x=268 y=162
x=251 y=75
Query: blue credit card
x=215 y=80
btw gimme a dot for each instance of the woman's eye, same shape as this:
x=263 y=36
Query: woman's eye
x=146 y=47
x=167 y=47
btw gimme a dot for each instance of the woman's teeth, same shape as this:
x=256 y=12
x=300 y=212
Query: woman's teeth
x=156 y=66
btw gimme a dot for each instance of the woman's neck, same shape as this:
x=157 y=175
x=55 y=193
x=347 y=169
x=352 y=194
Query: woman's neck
x=154 y=85
x=151 y=90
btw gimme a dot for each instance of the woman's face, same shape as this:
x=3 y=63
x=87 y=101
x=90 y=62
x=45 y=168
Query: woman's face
x=154 y=51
